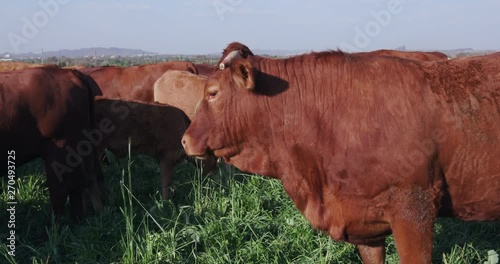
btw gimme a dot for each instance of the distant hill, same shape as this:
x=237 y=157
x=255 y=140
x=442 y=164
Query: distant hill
x=75 y=53
x=465 y=52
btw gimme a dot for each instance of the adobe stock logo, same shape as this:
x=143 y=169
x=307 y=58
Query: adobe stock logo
x=224 y=6
x=31 y=26
x=380 y=19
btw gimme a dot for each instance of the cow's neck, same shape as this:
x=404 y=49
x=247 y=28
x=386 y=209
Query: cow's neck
x=284 y=145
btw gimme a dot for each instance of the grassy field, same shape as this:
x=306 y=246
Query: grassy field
x=229 y=217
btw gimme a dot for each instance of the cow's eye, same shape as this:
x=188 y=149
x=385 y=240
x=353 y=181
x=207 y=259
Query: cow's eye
x=212 y=95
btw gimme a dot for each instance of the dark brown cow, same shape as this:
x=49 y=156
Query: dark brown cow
x=411 y=55
x=364 y=145
x=155 y=130
x=136 y=82
x=205 y=69
x=45 y=112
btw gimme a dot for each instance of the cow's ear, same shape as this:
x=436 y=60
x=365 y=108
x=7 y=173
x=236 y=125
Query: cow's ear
x=243 y=74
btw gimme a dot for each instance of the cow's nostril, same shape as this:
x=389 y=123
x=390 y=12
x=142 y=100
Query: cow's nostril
x=183 y=142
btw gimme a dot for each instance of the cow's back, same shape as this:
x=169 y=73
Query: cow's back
x=136 y=82
x=411 y=55
x=205 y=69
x=16 y=66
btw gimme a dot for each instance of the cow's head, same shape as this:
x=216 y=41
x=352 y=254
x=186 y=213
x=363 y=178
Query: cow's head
x=243 y=51
x=225 y=111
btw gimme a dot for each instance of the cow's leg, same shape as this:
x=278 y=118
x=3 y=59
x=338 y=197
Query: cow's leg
x=412 y=224
x=373 y=254
x=167 y=164
x=56 y=169
x=78 y=206
x=77 y=181
x=413 y=241
x=58 y=197
x=96 y=182
x=79 y=177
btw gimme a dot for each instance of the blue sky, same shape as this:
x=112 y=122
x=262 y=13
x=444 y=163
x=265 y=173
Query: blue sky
x=206 y=26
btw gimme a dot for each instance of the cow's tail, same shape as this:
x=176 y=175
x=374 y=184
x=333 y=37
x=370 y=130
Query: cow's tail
x=93 y=90
x=96 y=185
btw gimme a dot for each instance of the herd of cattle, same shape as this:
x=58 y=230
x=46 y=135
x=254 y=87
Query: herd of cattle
x=366 y=144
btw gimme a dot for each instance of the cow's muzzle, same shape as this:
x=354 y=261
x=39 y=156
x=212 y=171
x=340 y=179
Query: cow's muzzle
x=195 y=150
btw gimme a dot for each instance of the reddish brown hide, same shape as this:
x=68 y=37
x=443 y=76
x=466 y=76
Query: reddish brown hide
x=45 y=112
x=205 y=69
x=365 y=145
x=16 y=66
x=136 y=82
x=411 y=55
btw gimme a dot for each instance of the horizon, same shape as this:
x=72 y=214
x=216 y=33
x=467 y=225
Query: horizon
x=207 y=26
x=257 y=51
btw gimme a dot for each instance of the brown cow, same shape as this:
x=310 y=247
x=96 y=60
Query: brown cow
x=136 y=82
x=411 y=55
x=364 y=145
x=205 y=69
x=155 y=130
x=45 y=112
x=15 y=66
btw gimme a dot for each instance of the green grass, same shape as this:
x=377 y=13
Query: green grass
x=225 y=218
